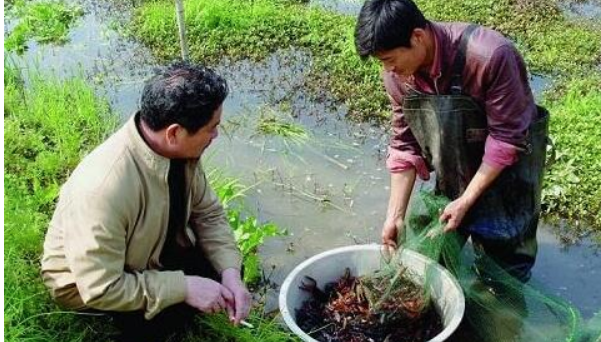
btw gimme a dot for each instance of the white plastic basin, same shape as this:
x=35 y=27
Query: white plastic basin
x=365 y=259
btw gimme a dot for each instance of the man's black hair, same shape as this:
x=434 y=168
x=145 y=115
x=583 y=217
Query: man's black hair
x=385 y=25
x=182 y=93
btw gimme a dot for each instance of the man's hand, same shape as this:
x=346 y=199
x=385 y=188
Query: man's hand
x=401 y=185
x=390 y=233
x=454 y=212
x=207 y=295
x=239 y=306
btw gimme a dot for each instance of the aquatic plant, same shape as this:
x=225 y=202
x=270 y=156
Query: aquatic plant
x=44 y=22
x=248 y=231
x=273 y=123
x=254 y=29
x=572 y=187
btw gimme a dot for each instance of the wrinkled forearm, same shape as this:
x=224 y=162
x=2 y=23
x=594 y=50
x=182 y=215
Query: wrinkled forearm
x=401 y=186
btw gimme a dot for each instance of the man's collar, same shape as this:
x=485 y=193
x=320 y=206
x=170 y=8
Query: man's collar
x=152 y=159
x=439 y=40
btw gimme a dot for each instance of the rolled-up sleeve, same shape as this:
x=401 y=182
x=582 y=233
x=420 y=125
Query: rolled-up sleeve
x=211 y=227
x=404 y=152
x=509 y=105
x=95 y=246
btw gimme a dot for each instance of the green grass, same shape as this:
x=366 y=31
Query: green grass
x=253 y=29
x=266 y=328
x=44 y=22
x=49 y=126
x=47 y=129
x=573 y=183
x=551 y=44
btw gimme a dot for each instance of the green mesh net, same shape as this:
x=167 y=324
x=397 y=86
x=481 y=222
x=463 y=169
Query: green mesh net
x=498 y=307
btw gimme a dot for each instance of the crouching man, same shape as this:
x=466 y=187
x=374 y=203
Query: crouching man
x=138 y=232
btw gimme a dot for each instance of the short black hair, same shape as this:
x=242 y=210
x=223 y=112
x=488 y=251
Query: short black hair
x=385 y=25
x=182 y=93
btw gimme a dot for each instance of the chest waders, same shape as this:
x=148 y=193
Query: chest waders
x=451 y=131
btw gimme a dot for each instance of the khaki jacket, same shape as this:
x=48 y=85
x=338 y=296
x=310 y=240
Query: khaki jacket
x=104 y=241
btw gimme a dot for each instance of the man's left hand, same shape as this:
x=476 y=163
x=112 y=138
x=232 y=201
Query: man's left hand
x=454 y=212
x=239 y=310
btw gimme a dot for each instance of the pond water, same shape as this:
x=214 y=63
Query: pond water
x=328 y=190
x=575 y=9
x=583 y=9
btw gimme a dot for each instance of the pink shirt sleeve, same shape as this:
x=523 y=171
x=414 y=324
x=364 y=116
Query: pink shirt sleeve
x=403 y=151
x=499 y=154
x=509 y=107
x=399 y=161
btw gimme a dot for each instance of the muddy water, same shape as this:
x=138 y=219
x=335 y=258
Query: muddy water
x=328 y=190
x=587 y=9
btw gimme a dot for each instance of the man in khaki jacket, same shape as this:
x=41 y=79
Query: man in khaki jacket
x=137 y=231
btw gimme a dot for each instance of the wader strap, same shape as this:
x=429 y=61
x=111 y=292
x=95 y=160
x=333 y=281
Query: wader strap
x=459 y=63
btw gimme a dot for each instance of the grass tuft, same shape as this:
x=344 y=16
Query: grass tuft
x=272 y=123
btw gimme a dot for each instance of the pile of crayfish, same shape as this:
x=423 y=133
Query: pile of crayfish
x=381 y=307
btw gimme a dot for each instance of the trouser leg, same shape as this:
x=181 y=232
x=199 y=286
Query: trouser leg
x=515 y=256
x=495 y=302
x=133 y=327
x=496 y=305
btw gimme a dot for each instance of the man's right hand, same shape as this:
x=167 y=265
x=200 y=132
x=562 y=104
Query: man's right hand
x=207 y=295
x=390 y=233
x=401 y=185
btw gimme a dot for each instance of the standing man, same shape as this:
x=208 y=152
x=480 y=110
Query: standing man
x=462 y=107
x=138 y=232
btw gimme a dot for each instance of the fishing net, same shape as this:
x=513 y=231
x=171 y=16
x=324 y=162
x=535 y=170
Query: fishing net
x=498 y=306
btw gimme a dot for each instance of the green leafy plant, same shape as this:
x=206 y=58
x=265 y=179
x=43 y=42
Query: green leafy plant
x=572 y=184
x=248 y=231
x=44 y=22
x=550 y=43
